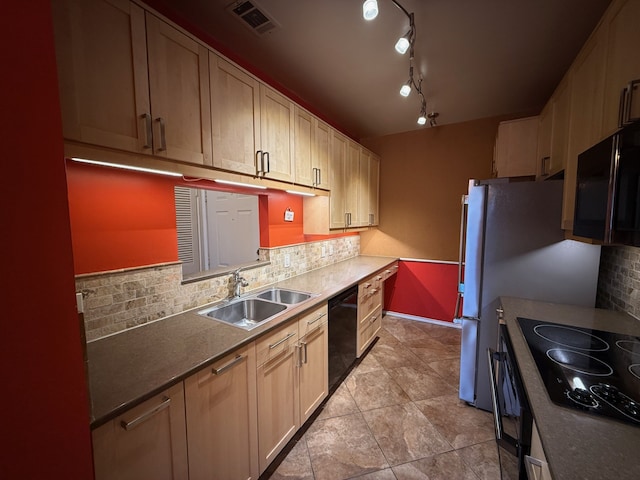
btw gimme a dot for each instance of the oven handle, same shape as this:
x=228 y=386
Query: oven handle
x=492 y=357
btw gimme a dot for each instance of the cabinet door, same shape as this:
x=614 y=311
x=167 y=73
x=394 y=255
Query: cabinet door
x=321 y=153
x=179 y=90
x=276 y=134
x=278 y=392
x=149 y=441
x=364 y=164
x=368 y=328
x=561 y=120
x=304 y=133
x=314 y=361
x=587 y=89
x=222 y=419
x=516 y=147
x=623 y=62
x=337 y=217
x=102 y=70
x=235 y=117
x=352 y=184
x=545 y=126
x=374 y=188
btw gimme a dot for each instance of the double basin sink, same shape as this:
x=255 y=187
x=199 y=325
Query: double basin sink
x=252 y=311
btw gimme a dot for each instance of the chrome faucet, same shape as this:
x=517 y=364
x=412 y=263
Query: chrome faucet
x=238 y=283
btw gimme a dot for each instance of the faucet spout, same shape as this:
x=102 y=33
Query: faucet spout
x=238 y=283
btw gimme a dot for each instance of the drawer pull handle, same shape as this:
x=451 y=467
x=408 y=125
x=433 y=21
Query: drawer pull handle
x=373 y=319
x=311 y=322
x=145 y=416
x=224 y=368
x=281 y=341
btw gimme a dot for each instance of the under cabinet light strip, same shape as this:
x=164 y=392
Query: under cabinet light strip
x=126 y=167
x=240 y=184
x=304 y=194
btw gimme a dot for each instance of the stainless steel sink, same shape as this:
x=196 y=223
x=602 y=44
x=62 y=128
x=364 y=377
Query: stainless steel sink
x=285 y=296
x=247 y=313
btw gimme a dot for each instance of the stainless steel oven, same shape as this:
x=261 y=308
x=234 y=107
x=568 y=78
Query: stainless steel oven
x=511 y=412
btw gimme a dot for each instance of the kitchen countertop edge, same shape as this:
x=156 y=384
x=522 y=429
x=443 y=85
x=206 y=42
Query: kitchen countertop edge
x=149 y=345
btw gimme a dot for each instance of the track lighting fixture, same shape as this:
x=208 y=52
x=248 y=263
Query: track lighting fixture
x=403 y=45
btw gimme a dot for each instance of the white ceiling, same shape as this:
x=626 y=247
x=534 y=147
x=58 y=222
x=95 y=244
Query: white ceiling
x=478 y=58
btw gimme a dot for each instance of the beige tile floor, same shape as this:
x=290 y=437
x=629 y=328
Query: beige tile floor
x=398 y=417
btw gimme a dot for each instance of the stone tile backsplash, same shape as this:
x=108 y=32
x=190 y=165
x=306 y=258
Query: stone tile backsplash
x=619 y=279
x=119 y=300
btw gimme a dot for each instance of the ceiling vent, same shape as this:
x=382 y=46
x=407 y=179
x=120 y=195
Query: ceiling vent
x=253 y=17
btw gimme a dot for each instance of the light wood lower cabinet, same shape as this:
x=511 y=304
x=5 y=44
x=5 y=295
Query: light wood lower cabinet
x=292 y=380
x=277 y=386
x=148 y=441
x=536 y=463
x=222 y=419
x=314 y=361
x=370 y=295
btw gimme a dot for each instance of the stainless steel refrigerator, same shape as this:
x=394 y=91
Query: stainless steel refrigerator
x=512 y=244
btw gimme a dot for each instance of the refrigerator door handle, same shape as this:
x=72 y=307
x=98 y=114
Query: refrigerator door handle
x=463 y=241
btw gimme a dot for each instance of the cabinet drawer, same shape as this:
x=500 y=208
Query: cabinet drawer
x=390 y=271
x=368 y=303
x=277 y=342
x=312 y=320
x=368 y=328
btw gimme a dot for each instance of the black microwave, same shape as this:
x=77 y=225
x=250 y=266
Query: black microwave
x=607 y=204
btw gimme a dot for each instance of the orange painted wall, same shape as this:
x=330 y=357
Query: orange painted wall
x=123 y=219
x=44 y=404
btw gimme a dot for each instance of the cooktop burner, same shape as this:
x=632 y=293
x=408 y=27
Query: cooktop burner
x=594 y=371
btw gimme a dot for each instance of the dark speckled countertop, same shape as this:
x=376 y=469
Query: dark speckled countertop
x=577 y=445
x=129 y=367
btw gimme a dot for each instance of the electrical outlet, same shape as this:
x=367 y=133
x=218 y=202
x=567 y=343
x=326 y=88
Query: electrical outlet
x=324 y=251
x=287 y=260
x=330 y=249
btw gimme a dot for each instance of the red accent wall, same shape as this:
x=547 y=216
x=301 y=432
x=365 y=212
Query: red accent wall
x=44 y=405
x=423 y=289
x=123 y=219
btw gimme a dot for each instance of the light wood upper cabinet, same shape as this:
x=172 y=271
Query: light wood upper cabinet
x=276 y=135
x=303 y=151
x=222 y=424
x=516 y=145
x=235 y=116
x=321 y=153
x=545 y=129
x=132 y=82
x=622 y=60
x=101 y=53
x=337 y=216
x=148 y=441
x=352 y=184
x=312 y=150
x=369 y=176
x=179 y=87
x=374 y=189
x=585 y=127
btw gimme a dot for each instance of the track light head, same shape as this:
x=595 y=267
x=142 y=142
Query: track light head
x=370 y=9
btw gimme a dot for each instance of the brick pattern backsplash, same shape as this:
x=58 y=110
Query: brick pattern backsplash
x=119 y=300
x=619 y=280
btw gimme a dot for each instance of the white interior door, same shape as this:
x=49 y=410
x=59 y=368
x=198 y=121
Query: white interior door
x=231 y=213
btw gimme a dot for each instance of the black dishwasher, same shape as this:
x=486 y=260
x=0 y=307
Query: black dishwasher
x=343 y=325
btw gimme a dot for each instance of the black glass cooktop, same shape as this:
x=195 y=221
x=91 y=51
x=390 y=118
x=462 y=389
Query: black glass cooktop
x=594 y=371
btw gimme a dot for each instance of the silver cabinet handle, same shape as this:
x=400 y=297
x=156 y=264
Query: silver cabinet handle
x=621 y=107
x=319 y=176
x=633 y=85
x=227 y=366
x=145 y=416
x=268 y=169
x=259 y=162
x=311 y=322
x=148 y=131
x=373 y=319
x=163 y=136
x=544 y=167
x=281 y=341
x=303 y=348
